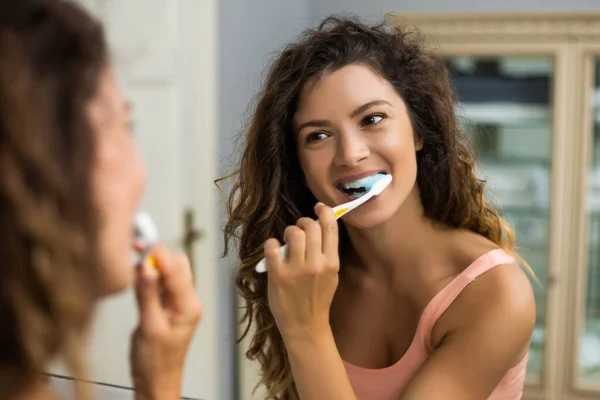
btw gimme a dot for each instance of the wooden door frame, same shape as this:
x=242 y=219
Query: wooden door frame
x=202 y=49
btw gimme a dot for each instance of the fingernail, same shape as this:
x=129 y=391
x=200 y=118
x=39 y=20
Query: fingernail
x=319 y=204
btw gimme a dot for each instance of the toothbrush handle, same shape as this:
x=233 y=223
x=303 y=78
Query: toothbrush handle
x=262 y=265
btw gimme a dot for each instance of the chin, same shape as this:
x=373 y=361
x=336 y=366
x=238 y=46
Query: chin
x=367 y=218
x=118 y=276
x=377 y=211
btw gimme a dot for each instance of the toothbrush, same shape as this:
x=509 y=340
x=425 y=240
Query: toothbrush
x=340 y=211
x=146 y=234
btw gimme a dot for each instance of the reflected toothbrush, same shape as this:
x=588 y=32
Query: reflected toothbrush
x=145 y=236
x=340 y=211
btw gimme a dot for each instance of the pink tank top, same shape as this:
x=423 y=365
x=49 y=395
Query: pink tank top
x=388 y=383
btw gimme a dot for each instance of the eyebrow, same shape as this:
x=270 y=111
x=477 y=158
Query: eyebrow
x=365 y=107
x=357 y=111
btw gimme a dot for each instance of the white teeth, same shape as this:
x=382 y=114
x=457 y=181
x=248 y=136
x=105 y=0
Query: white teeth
x=352 y=185
x=359 y=183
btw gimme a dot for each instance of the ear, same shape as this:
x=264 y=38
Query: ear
x=418 y=143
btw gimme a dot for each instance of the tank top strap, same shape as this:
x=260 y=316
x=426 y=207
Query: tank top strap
x=441 y=301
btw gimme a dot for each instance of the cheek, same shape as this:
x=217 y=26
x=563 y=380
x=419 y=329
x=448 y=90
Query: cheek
x=398 y=145
x=400 y=138
x=139 y=172
x=122 y=175
x=120 y=181
x=315 y=166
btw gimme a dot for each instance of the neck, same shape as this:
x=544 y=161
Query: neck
x=401 y=246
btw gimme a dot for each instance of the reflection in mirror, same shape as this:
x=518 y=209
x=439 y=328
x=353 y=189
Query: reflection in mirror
x=506 y=109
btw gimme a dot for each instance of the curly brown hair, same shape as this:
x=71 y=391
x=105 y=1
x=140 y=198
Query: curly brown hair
x=268 y=193
x=52 y=54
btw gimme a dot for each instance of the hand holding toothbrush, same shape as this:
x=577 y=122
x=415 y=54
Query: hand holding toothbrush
x=341 y=210
x=300 y=290
x=169 y=313
x=301 y=287
x=303 y=273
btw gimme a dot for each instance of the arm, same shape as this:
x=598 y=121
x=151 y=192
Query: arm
x=495 y=317
x=300 y=291
x=318 y=368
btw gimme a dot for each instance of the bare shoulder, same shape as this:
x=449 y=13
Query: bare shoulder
x=483 y=334
x=498 y=305
x=503 y=292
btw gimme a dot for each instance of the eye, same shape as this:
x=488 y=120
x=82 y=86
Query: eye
x=316 y=137
x=372 y=119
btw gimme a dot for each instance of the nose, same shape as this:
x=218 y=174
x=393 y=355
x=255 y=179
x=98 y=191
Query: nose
x=351 y=149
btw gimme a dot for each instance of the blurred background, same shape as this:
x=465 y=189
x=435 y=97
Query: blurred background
x=527 y=79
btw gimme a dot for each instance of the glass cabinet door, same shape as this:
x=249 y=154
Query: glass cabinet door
x=588 y=359
x=505 y=105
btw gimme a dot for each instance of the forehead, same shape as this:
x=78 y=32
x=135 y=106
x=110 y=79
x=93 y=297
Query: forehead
x=344 y=88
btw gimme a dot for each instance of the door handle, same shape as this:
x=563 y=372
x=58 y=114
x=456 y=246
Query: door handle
x=190 y=235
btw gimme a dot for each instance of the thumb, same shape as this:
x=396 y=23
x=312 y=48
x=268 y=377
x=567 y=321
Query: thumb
x=147 y=290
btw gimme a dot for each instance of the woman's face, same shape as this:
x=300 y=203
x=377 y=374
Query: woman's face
x=350 y=124
x=119 y=181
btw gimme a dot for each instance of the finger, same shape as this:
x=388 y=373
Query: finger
x=295 y=238
x=272 y=250
x=329 y=230
x=177 y=282
x=312 y=231
x=147 y=291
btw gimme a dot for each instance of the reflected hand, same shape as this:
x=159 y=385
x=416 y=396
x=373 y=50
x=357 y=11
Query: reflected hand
x=169 y=312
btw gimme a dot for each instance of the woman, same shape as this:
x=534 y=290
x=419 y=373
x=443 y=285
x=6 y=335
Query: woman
x=421 y=296
x=71 y=181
